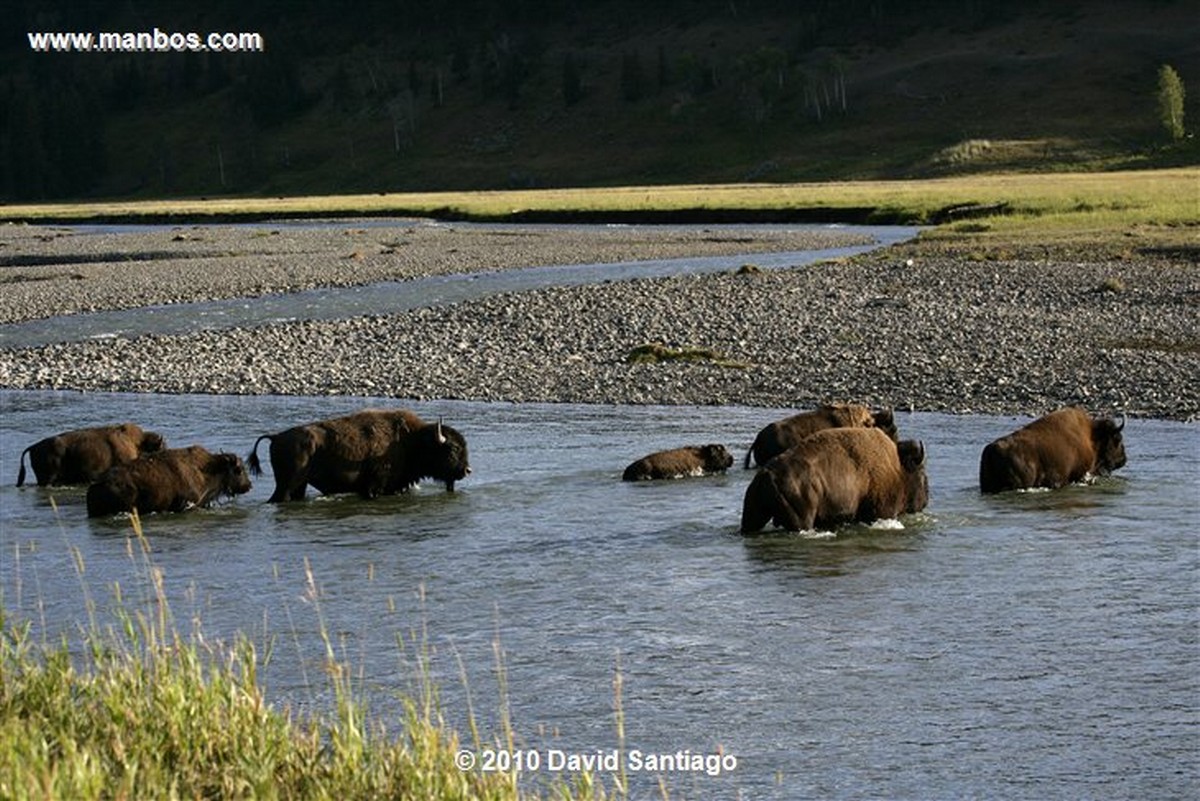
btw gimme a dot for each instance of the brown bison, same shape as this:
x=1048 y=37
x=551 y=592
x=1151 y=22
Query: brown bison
x=777 y=437
x=372 y=452
x=836 y=476
x=694 y=460
x=1059 y=449
x=82 y=456
x=168 y=481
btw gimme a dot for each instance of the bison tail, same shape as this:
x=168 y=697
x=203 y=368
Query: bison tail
x=252 y=462
x=21 y=472
x=749 y=455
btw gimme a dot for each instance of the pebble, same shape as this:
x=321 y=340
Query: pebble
x=916 y=326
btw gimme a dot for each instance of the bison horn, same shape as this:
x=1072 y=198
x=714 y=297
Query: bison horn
x=1121 y=425
x=920 y=452
x=441 y=438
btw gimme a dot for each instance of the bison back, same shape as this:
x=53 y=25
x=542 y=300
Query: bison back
x=167 y=481
x=833 y=476
x=779 y=436
x=1052 y=451
x=81 y=456
x=692 y=460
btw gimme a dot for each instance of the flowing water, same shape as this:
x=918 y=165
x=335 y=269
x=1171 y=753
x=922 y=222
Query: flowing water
x=1032 y=645
x=391 y=297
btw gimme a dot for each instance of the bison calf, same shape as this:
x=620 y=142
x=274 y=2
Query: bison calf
x=777 y=437
x=694 y=460
x=82 y=456
x=168 y=481
x=372 y=452
x=1055 y=450
x=835 y=476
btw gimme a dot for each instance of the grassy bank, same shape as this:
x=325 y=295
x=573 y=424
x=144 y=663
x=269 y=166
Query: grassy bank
x=138 y=710
x=1163 y=203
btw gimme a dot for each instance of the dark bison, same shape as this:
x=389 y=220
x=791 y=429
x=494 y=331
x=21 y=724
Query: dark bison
x=777 y=437
x=1059 y=449
x=694 y=460
x=168 y=481
x=82 y=456
x=372 y=452
x=836 y=476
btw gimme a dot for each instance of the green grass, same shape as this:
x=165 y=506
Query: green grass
x=146 y=712
x=656 y=352
x=1022 y=205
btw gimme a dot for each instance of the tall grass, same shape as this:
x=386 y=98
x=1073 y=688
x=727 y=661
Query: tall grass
x=1034 y=202
x=138 y=710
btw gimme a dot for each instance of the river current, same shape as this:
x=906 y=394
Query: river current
x=1029 y=645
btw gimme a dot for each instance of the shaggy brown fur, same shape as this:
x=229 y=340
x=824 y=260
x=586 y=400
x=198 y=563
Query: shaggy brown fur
x=693 y=460
x=835 y=476
x=1052 y=451
x=168 y=481
x=372 y=452
x=777 y=437
x=82 y=456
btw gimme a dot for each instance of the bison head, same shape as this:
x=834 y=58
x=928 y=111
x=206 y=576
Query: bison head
x=1110 y=448
x=152 y=443
x=916 y=483
x=442 y=454
x=716 y=457
x=885 y=421
x=231 y=474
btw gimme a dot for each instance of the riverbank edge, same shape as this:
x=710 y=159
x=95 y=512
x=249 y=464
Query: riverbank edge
x=963 y=259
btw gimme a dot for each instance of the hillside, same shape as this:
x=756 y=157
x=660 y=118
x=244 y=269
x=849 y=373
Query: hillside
x=391 y=96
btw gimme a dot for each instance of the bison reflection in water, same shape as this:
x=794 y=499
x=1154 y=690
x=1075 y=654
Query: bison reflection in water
x=777 y=437
x=372 y=452
x=693 y=460
x=1055 y=450
x=168 y=481
x=82 y=456
x=836 y=476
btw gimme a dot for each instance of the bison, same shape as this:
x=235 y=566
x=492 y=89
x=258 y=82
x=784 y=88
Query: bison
x=1055 y=450
x=693 y=460
x=777 y=437
x=82 y=456
x=168 y=481
x=372 y=452
x=835 y=476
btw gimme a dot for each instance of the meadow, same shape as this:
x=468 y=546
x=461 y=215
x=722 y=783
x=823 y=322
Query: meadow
x=1159 y=205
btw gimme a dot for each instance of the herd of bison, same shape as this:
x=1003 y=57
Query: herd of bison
x=836 y=464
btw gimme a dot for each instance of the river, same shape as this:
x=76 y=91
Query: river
x=1030 y=645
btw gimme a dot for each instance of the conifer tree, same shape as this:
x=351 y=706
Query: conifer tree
x=1170 y=101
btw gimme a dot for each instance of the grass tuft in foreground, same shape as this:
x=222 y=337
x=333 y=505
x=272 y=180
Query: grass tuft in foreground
x=147 y=713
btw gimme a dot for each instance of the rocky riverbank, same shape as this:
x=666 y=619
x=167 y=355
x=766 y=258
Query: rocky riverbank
x=49 y=271
x=922 y=326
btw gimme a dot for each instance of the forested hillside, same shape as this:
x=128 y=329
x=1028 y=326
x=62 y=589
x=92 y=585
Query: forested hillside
x=424 y=95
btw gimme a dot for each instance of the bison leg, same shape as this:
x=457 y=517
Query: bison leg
x=788 y=516
x=758 y=507
x=110 y=497
x=287 y=490
x=1000 y=470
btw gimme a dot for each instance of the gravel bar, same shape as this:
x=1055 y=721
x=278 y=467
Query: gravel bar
x=921 y=326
